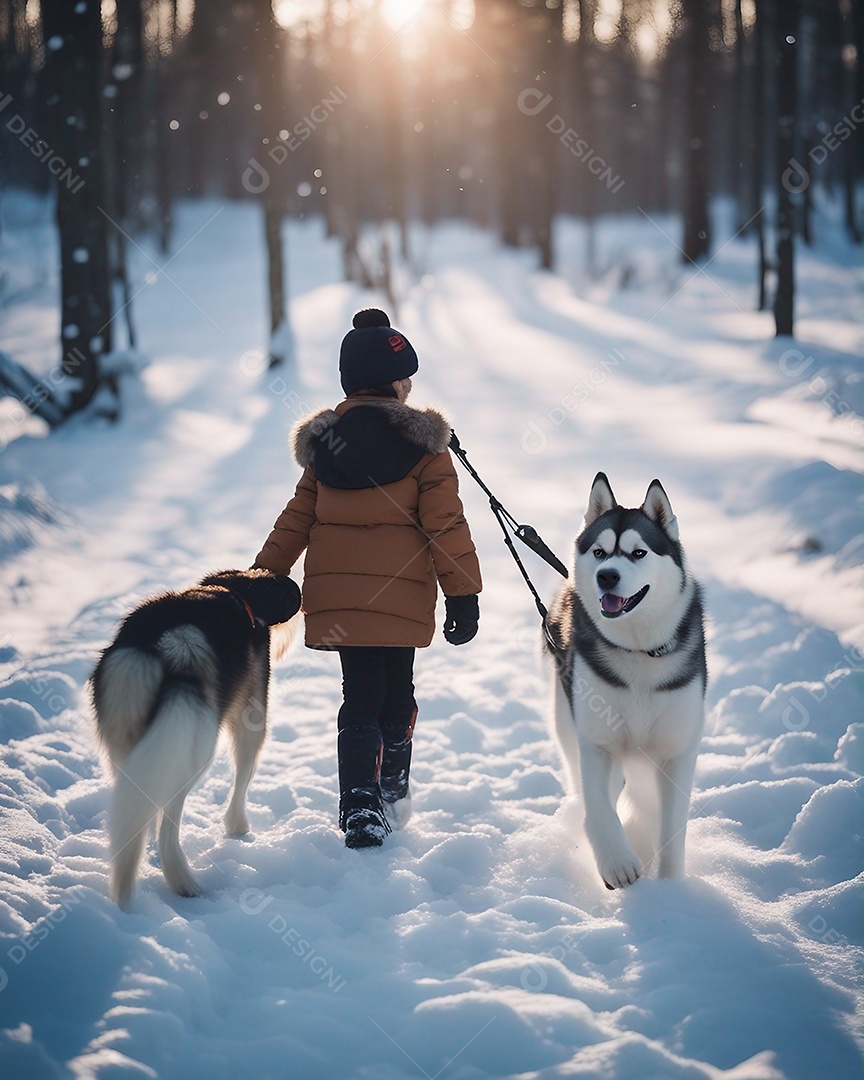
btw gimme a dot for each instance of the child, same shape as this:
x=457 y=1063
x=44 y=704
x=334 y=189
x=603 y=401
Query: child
x=378 y=507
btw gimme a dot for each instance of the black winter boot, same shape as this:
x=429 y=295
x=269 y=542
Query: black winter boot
x=361 y=818
x=395 y=792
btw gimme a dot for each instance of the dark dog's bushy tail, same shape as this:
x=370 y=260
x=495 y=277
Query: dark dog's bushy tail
x=160 y=729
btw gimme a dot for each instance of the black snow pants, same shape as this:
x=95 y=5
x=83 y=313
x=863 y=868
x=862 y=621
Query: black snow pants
x=376 y=720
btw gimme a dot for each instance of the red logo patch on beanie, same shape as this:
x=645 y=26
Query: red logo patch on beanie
x=397 y=342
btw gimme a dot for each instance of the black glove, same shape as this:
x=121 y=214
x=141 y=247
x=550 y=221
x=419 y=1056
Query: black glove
x=290 y=597
x=463 y=615
x=282 y=600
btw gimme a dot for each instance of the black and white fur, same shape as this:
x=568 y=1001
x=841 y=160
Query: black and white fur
x=630 y=686
x=182 y=667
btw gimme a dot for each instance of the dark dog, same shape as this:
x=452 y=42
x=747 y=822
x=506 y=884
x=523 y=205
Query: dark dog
x=182 y=666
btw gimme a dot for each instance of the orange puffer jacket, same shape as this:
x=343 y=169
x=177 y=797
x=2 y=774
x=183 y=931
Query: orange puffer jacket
x=378 y=507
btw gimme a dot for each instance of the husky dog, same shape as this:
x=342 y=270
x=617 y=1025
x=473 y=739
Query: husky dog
x=182 y=666
x=629 y=644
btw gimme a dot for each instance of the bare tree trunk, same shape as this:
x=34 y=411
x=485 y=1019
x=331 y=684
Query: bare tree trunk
x=544 y=52
x=161 y=89
x=759 y=145
x=268 y=72
x=345 y=171
x=124 y=130
x=807 y=43
x=127 y=72
x=853 y=164
x=393 y=126
x=512 y=129
x=806 y=216
x=697 y=225
x=850 y=178
x=585 y=105
x=785 y=50
x=511 y=149
x=743 y=130
x=72 y=82
x=273 y=217
x=539 y=208
x=163 y=171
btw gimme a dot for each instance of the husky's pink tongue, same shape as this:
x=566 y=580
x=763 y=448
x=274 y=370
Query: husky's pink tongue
x=611 y=603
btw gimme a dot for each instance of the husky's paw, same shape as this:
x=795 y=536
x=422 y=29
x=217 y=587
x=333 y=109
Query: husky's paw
x=236 y=823
x=190 y=889
x=619 y=867
x=183 y=883
x=177 y=873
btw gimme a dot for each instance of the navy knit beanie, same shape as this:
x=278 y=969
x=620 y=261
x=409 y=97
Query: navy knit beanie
x=373 y=354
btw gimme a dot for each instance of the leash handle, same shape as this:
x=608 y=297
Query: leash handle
x=541 y=607
x=530 y=538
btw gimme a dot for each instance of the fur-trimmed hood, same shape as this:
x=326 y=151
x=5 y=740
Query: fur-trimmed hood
x=427 y=429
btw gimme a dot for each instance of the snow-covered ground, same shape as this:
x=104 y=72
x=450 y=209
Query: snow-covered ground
x=479 y=942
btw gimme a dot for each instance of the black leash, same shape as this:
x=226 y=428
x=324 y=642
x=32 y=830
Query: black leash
x=526 y=533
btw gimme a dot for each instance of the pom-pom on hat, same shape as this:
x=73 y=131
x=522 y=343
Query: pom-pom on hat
x=374 y=353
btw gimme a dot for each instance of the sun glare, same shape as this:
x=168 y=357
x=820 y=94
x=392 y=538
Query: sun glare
x=290 y=13
x=398 y=13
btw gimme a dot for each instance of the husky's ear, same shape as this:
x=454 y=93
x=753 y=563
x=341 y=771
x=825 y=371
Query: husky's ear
x=600 y=500
x=659 y=509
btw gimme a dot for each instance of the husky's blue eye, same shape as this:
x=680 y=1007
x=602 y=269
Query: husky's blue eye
x=599 y=553
x=639 y=553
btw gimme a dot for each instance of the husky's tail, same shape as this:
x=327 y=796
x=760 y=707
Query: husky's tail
x=160 y=728
x=283 y=636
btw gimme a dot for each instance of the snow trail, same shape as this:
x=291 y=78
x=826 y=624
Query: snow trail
x=479 y=942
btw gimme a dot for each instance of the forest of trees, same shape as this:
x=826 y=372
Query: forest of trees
x=502 y=112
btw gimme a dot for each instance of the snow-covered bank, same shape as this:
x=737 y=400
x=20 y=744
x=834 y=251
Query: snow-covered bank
x=479 y=943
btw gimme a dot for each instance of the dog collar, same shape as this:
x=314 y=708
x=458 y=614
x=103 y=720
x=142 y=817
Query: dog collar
x=663 y=650
x=245 y=606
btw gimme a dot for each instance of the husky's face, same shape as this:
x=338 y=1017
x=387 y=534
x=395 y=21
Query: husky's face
x=628 y=562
